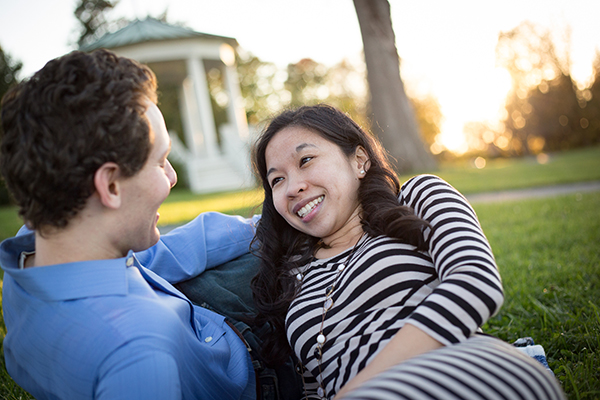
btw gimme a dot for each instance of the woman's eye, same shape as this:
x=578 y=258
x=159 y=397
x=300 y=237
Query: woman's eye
x=275 y=181
x=304 y=160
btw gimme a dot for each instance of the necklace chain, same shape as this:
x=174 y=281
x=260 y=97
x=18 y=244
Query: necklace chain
x=327 y=305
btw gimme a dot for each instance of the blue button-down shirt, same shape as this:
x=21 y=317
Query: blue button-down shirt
x=113 y=329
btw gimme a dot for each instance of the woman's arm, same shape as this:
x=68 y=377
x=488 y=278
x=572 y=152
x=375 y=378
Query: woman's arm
x=410 y=341
x=470 y=289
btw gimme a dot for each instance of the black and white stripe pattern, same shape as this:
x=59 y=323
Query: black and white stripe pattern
x=448 y=291
x=481 y=368
x=470 y=291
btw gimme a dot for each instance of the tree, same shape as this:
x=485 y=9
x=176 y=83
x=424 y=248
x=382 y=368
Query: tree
x=392 y=117
x=9 y=71
x=262 y=87
x=341 y=86
x=429 y=116
x=92 y=15
x=306 y=82
x=545 y=111
x=591 y=96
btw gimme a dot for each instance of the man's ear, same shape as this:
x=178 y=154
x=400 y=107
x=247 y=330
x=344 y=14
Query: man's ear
x=107 y=184
x=362 y=161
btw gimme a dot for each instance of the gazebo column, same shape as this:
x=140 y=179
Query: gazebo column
x=202 y=96
x=237 y=150
x=236 y=111
x=190 y=118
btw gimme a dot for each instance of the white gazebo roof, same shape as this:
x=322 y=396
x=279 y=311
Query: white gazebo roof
x=149 y=29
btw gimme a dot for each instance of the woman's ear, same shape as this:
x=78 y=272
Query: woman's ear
x=107 y=184
x=362 y=161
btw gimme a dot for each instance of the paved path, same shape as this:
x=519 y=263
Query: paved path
x=544 y=191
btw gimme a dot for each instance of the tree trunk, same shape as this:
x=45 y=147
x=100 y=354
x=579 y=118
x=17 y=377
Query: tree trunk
x=392 y=117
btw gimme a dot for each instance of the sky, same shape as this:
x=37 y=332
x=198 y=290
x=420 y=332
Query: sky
x=447 y=47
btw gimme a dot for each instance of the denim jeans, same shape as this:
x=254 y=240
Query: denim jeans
x=226 y=290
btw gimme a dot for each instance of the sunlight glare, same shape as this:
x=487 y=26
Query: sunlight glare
x=484 y=103
x=452 y=136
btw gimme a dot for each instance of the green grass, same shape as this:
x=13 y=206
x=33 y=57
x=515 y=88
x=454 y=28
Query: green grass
x=9 y=222
x=504 y=174
x=184 y=206
x=547 y=251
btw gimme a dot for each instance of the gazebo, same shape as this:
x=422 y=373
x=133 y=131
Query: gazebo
x=215 y=157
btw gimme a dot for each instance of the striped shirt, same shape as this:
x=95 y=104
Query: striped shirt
x=447 y=291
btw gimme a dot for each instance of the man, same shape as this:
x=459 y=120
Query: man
x=85 y=156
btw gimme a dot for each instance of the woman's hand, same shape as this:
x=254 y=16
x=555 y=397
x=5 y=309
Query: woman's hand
x=409 y=342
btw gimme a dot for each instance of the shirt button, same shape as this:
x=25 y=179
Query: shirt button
x=208 y=339
x=129 y=262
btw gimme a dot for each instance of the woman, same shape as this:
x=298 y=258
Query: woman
x=362 y=287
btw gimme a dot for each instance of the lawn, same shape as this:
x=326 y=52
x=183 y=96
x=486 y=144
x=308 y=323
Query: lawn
x=548 y=253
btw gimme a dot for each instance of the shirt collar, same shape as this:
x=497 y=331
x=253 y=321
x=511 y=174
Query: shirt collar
x=64 y=281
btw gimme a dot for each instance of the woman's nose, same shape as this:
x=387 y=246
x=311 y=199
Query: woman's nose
x=295 y=186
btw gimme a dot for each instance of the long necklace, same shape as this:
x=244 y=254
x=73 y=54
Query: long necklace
x=327 y=305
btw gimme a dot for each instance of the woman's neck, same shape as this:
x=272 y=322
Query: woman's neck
x=343 y=239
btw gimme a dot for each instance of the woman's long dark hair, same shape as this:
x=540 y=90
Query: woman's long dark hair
x=283 y=248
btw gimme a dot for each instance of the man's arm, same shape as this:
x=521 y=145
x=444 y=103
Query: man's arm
x=209 y=240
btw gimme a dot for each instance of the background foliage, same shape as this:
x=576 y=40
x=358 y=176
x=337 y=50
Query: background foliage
x=546 y=110
x=9 y=71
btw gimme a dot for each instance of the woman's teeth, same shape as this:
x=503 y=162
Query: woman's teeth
x=309 y=207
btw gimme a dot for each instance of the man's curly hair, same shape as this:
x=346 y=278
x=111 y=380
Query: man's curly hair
x=75 y=114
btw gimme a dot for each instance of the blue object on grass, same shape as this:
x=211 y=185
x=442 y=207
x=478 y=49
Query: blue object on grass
x=528 y=346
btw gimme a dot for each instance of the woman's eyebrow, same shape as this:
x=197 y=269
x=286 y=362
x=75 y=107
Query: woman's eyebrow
x=271 y=170
x=304 y=145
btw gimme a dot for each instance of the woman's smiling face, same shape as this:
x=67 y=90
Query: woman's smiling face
x=315 y=185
